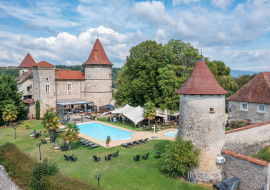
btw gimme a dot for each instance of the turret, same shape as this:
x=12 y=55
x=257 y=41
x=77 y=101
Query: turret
x=27 y=64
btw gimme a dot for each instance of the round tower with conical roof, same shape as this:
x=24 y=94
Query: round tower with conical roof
x=98 y=76
x=202 y=119
x=27 y=64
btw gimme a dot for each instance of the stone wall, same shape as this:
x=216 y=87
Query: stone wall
x=98 y=84
x=206 y=129
x=248 y=141
x=23 y=87
x=5 y=182
x=236 y=113
x=62 y=92
x=253 y=176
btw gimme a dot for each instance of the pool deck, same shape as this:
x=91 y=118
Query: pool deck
x=136 y=136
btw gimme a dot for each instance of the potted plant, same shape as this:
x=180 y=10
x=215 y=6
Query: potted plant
x=96 y=117
x=108 y=140
x=172 y=123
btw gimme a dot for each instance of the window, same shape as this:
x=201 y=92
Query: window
x=47 y=79
x=69 y=87
x=261 y=108
x=110 y=76
x=244 y=106
x=28 y=88
x=47 y=88
x=212 y=110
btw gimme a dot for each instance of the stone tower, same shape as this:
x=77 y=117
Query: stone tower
x=202 y=119
x=98 y=76
x=27 y=64
x=44 y=86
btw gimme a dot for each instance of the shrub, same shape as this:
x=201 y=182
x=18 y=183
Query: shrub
x=26 y=125
x=181 y=156
x=108 y=140
x=37 y=109
x=23 y=114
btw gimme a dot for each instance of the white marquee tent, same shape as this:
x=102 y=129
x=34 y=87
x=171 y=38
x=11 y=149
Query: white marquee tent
x=135 y=114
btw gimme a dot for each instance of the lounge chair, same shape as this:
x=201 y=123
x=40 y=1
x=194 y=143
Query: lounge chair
x=145 y=156
x=124 y=145
x=72 y=158
x=115 y=154
x=36 y=135
x=81 y=141
x=145 y=140
x=96 y=158
x=53 y=139
x=67 y=158
x=141 y=140
x=89 y=144
x=33 y=133
x=137 y=158
x=135 y=142
x=108 y=157
x=43 y=141
x=64 y=146
x=130 y=143
x=86 y=142
x=94 y=146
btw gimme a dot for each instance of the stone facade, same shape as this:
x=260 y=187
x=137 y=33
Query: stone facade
x=43 y=76
x=235 y=112
x=253 y=176
x=205 y=127
x=98 y=84
x=5 y=182
x=62 y=92
x=248 y=141
x=22 y=70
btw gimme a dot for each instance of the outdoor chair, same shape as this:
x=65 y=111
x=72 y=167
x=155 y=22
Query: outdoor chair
x=96 y=159
x=43 y=141
x=130 y=143
x=124 y=145
x=86 y=142
x=53 y=139
x=137 y=158
x=114 y=119
x=108 y=157
x=135 y=142
x=40 y=133
x=145 y=140
x=36 y=135
x=72 y=158
x=145 y=156
x=89 y=144
x=94 y=146
x=67 y=158
x=33 y=133
x=81 y=141
x=115 y=154
x=141 y=140
x=55 y=144
x=64 y=146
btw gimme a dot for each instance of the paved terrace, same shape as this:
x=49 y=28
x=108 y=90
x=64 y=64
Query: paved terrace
x=136 y=136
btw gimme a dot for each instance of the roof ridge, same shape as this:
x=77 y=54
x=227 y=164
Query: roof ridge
x=244 y=157
x=248 y=127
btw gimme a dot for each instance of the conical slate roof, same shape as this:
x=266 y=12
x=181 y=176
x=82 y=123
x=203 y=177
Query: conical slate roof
x=257 y=90
x=27 y=62
x=97 y=56
x=201 y=82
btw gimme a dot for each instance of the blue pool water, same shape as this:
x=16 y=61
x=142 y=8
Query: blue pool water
x=171 y=134
x=100 y=131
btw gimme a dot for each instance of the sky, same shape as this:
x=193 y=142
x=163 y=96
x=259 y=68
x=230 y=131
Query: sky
x=63 y=32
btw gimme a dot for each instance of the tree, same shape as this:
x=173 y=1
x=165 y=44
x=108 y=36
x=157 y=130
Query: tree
x=138 y=78
x=37 y=109
x=9 y=94
x=149 y=111
x=71 y=133
x=10 y=113
x=50 y=121
x=180 y=157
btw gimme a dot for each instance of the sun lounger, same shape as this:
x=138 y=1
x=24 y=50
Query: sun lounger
x=108 y=157
x=145 y=156
x=115 y=154
x=96 y=159
x=89 y=144
x=130 y=143
x=135 y=142
x=94 y=146
x=124 y=145
x=145 y=140
x=137 y=158
x=43 y=141
x=141 y=140
x=86 y=142
x=67 y=158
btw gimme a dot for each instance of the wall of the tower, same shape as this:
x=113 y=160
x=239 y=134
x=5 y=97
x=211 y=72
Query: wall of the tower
x=65 y=94
x=22 y=70
x=202 y=120
x=98 y=84
x=43 y=76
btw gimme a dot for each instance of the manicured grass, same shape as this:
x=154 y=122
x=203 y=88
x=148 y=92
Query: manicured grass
x=264 y=154
x=119 y=173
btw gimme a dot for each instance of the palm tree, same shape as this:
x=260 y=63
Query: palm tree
x=10 y=113
x=149 y=111
x=50 y=121
x=71 y=133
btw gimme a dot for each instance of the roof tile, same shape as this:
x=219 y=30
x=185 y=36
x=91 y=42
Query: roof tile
x=29 y=101
x=44 y=64
x=28 y=61
x=24 y=76
x=201 y=81
x=247 y=127
x=68 y=75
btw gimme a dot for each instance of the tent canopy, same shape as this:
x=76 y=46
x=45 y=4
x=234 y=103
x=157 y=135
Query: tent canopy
x=135 y=114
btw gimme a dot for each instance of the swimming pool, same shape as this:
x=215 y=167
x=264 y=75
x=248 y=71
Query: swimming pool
x=100 y=131
x=171 y=134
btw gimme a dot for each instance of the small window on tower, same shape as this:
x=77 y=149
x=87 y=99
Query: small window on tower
x=47 y=88
x=110 y=76
x=69 y=87
x=212 y=110
x=47 y=79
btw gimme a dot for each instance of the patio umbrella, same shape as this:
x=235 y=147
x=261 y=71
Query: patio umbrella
x=165 y=115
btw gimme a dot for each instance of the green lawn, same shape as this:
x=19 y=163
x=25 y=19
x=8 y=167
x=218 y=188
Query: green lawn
x=119 y=173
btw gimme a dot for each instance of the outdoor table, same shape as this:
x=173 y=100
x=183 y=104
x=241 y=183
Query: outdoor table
x=159 y=153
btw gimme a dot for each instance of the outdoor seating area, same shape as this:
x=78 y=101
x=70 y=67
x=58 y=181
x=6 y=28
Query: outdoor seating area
x=88 y=144
x=70 y=158
x=130 y=144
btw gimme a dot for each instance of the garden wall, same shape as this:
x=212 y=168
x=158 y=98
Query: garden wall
x=254 y=173
x=248 y=140
x=5 y=182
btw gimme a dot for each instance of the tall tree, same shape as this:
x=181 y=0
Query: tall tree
x=149 y=111
x=71 y=133
x=10 y=113
x=50 y=121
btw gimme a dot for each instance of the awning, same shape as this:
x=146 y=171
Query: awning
x=73 y=103
x=108 y=106
x=135 y=114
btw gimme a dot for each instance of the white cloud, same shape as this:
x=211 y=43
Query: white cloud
x=178 y=2
x=256 y=69
x=152 y=12
x=222 y=4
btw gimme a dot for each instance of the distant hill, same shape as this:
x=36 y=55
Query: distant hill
x=237 y=73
